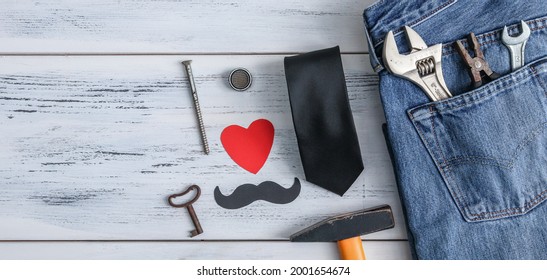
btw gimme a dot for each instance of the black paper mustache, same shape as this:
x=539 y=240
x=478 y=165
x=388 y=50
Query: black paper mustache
x=249 y=193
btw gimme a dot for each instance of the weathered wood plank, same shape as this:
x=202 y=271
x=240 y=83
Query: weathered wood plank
x=264 y=250
x=145 y=26
x=92 y=146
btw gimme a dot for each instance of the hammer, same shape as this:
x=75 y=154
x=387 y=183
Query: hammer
x=347 y=229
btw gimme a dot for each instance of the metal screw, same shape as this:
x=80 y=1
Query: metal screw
x=478 y=64
x=188 y=68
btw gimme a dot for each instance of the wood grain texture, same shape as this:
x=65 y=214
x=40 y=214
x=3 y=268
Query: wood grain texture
x=166 y=26
x=375 y=250
x=92 y=146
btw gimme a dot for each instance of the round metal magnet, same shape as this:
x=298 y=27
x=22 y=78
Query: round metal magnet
x=240 y=79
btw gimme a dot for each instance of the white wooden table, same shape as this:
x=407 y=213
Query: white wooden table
x=97 y=128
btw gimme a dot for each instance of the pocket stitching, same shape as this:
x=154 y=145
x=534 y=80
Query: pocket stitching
x=434 y=131
x=493 y=36
x=418 y=21
x=461 y=201
x=458 y=198
x=445 y=175
x=536 y=75
x=509 y=165
x=455 y=188
x=488 y=91
x=528 y=205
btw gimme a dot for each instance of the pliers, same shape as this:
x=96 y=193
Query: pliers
x=479 y=68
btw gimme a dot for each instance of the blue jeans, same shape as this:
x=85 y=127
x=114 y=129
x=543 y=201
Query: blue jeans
x=471 y=169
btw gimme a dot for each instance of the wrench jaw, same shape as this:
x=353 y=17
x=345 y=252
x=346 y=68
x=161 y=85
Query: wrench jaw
x=394 y=62
x=415 y=40
x=422 y=66
x=517 y=40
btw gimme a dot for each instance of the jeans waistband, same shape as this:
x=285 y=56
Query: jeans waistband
x=441 y=21
x=385 y=15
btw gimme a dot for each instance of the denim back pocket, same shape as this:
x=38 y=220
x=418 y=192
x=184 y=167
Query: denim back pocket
x=490 y=144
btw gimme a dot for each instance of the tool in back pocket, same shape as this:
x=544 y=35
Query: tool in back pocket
x=478 y=64
x=422 y=66
x=516 y=44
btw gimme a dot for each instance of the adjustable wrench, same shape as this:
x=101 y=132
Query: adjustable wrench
x=422 y=66
x=516 y=45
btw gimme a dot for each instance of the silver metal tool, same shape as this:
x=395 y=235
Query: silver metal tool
x=516 y=44
x=188 y=68
x=422 y=66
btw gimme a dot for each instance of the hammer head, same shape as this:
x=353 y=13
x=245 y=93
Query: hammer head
x=348 y=225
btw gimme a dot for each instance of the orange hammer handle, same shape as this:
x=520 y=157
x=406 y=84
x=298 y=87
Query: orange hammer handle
x=351 y=249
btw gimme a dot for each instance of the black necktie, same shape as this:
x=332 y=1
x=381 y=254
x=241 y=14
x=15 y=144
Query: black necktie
x=327 y=140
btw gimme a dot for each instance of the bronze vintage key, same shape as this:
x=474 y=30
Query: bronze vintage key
x=189 y=206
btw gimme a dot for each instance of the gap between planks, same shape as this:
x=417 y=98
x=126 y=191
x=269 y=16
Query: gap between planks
x=167 y=53
x=183 y=240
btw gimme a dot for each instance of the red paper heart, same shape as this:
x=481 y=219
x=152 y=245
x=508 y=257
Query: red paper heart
x=249 y=147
